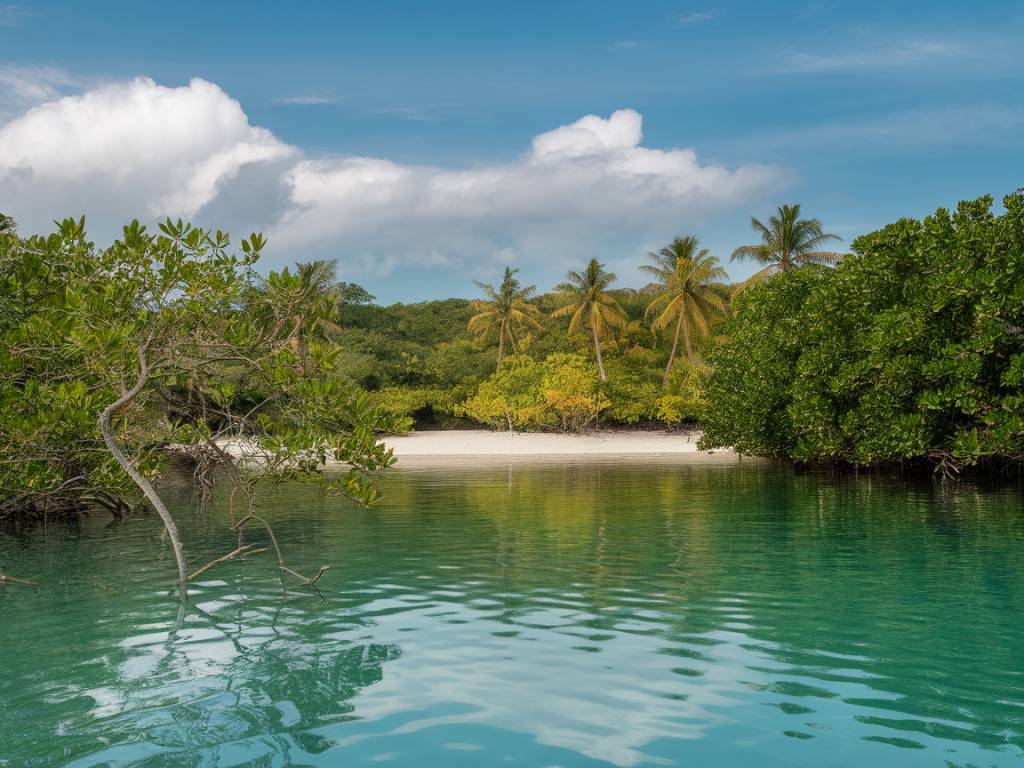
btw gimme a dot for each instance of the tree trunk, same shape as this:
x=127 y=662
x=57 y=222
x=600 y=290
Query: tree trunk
x=597 y=353
x=501 y=343
x=686 y=336
x=675 y=346
x=137 y=477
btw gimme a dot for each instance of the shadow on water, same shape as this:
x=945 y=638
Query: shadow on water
x=577 y=614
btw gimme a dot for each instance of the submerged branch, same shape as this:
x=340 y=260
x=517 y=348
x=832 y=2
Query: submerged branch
x=247 y=549
x=309 y=581
x=5 y=579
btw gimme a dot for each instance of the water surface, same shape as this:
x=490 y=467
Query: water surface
x=571 y=615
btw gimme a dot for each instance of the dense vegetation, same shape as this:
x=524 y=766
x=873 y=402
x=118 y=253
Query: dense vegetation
x=583 y=356
x=110 y=355
x=911 y=348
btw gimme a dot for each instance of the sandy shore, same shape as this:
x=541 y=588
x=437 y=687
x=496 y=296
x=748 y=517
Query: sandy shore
x=483 y=443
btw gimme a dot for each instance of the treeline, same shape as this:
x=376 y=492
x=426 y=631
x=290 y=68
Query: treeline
x=907 y=348
x=589 y=353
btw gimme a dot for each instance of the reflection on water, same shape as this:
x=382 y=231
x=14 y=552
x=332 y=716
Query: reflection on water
x=578 y=615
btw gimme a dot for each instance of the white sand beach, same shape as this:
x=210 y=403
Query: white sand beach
x=483 y=443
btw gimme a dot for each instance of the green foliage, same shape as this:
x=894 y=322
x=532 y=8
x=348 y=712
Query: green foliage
x=561 y=392
x=506 y=315
x=684 y=299
x=189 y=338
x=592 y=310
x=401 y=407
x=633 y=386
x=749 y=388
x=787 y=242
x=682 y=401
x=353 y=294
x=910 y=348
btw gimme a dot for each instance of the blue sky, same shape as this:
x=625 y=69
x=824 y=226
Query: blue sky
x=398 y=137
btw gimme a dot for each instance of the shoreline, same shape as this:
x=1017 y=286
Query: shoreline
x=479 y=444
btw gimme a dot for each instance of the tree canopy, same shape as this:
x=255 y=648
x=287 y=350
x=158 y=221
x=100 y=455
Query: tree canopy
x=910 y=349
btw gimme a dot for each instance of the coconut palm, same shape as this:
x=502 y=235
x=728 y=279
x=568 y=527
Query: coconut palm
x=787 y=242
x=685 y=277
x=590 y=307
x=303 y=303
x=504 y=313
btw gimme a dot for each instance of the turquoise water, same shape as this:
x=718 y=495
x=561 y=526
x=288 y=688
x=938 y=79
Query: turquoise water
x=572 y=615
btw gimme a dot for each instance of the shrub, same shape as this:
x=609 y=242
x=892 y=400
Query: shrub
x=912 y=347
x=560 y=392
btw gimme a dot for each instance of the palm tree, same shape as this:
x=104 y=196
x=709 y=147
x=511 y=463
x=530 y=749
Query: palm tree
x=504 y=313
x=7 y=224
x=590 y=307
x=787 y=242
x=685 y=276
x=305 y=301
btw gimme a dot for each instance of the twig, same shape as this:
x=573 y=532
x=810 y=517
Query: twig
x=248 y=549
x=5 y=579
x=309 y=582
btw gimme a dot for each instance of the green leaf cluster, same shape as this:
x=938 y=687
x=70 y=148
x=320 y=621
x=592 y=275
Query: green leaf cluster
x=911 y=348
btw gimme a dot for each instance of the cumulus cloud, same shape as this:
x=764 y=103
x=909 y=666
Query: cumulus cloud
x=139 y=149
x=588 y=180
x=129 y=148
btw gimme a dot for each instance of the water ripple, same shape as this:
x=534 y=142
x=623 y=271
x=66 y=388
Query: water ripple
x=586 y=615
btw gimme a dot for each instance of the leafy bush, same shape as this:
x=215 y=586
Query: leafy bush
x=912 y=347
x=633 y=386
x=748 y=391
x=402 y=406
x=560 y=392
x=683 y=399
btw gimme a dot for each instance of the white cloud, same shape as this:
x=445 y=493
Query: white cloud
x=128 y=149
x=700 y=17
x=139 y=149
x=579 y=185
x=899 y=54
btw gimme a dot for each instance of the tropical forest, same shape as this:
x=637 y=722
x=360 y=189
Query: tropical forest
x=544 y=385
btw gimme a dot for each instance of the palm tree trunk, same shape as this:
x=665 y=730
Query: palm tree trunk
x=597 y=353
x=675 y=346
x=686 y=335
x=501 y=343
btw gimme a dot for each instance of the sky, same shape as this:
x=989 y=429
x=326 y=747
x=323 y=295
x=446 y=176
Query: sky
x=427 y=145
